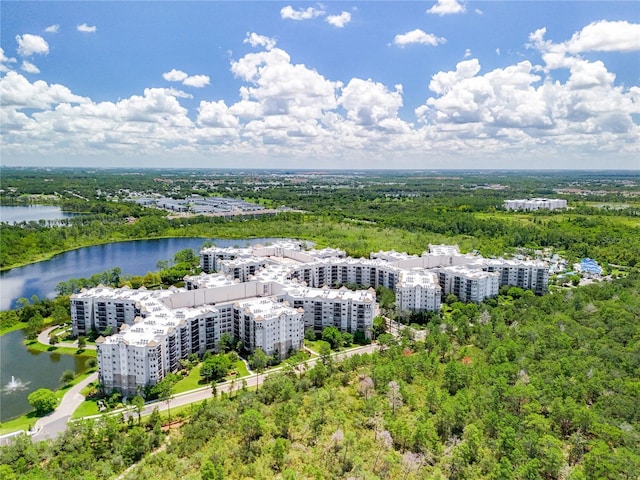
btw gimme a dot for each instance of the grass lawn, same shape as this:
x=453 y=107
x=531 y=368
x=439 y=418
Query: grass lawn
x=315 y=345
x=241 y=369
x=24 y=422
x=40 y=347
x=191 y=381
x=86 y=408
x=17 y=326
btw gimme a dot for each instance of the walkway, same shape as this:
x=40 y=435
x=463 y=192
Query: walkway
x=43 y=337
x=55 y=423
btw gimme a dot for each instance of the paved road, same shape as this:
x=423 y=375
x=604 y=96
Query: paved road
x=55 y=423
x=43 y=337
x=194 y=396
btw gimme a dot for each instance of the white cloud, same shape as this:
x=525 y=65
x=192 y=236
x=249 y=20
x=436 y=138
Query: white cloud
x=216 y=114
x=604 y=36
x=197 y=81
x=4 y=59
x=467 y=53
x=418 y=36
x=52 y=28
x=447 y=7
x=369 y=103
x=478 y=11
x=17 y=91
x=289 y=13
x=256 y=40
x=175 y=75
x=282 y=88
x=29 y=45
x=339 y=21
x=86 y=28
x=287 y=110
x=29 y=67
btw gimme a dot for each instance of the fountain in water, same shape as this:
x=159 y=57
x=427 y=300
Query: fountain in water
x=14 y=384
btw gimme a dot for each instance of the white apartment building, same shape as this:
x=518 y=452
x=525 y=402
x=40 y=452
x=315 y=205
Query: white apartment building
x=532 y=204
x=418 y=289
x=468 y=284
x=267 y=295
x=345 y=309
x=528 y=274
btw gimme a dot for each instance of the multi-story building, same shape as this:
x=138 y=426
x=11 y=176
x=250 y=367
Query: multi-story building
x=418 y=289
x=532 y=204
x=468 y=284
x=527 y=274
x=266 y=296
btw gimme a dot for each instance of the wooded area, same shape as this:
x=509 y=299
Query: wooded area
x=518 y=387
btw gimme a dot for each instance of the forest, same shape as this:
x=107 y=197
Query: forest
x=518 y=387
x=360 y=213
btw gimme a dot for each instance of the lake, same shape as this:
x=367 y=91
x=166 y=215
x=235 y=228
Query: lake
x=43 y=369
x=32 y=213
x=23 y=371
x=135 y=258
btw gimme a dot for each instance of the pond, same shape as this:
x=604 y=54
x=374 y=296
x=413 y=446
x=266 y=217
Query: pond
x=23 y=371
x=134 y=258
x=32 y=213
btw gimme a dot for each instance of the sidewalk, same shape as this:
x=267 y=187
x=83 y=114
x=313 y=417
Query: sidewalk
x=43 y=337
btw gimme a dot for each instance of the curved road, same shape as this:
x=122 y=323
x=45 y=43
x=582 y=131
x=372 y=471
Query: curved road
x=56 y=422
x=43 y=337
x=52 y=425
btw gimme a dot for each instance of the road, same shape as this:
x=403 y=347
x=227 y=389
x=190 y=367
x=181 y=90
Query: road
x=253 y=380
x=43 y=337
x=55 y=423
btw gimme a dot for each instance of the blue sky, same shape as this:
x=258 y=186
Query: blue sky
x=377 y=84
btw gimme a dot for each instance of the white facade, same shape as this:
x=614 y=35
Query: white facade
x=528 y=274
x=418 y=289
x=468 y=284
x=267 y=295
x=533 y=204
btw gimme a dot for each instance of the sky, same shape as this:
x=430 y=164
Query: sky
x=441 y=84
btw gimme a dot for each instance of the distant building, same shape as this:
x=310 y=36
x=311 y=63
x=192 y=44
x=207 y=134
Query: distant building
x=533 y=204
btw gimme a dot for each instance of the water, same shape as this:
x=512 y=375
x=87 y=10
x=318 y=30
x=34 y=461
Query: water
x=23 y=371
x=135 y=258
x=32 y=213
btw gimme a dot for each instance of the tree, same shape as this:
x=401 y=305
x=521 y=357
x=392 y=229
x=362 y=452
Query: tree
x=332 y=336
x=252 y=425
x=34 y=326
x=324 y=350
x=164 y=389
x=310 y=335
x=258 y=362
x=67 y=377
x=215 y=368
x=347 y=339
x=226 y=342
x=394 y=396
x=82 y=343
x=138 y=404
x=43 y=401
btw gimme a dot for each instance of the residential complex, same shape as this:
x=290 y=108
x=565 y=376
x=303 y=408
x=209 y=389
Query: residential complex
x=267 y=296
x=536 y=204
